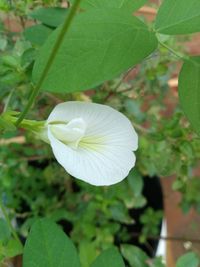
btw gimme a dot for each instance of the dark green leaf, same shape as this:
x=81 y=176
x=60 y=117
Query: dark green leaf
x=178 y=17
x=135 y=256
x=37 y=34
x=52 y=16
x=99 y=46
x=47 y=245
x=189 y=91
x=109 y=258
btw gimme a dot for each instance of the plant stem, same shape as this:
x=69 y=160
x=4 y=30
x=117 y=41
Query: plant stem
x=49 y=63
x=169 y=238
x=9 y=223
x=140 y=128
x=8 y=100
x=173 y=51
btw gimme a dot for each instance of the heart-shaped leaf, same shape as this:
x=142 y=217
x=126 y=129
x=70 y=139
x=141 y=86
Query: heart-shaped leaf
x=47 y=245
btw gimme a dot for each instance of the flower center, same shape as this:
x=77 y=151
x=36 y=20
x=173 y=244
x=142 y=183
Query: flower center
x=69 y=133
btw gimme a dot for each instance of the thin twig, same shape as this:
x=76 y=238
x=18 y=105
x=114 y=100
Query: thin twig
x=169 y=238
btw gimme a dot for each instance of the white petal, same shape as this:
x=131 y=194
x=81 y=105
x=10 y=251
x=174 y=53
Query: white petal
x=69 y=133
x=101 y=121
x=107 y=166
x=104 y=155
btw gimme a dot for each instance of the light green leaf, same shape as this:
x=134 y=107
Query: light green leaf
x=189 y=91
x=135 y=256
x=178 y=17
x=87 y=253
x=109 y=258
x=11 y=61
x=47 y=245
x=13 y=248
x=52 y=16
x=99 y=46
x=140 y=202
x=120 y=214
x=190 y=259
x=131 y=4
x=37 y=34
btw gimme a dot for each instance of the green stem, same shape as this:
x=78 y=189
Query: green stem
x=9 y=223
x=140 y=128
x=52 y=56
x=183 y=57
x=8 y=100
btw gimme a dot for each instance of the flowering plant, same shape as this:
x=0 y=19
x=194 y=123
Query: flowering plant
x=83 y=45
x=92 y=142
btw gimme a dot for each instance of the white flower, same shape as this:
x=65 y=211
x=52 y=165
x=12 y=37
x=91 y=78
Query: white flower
x=93 y=142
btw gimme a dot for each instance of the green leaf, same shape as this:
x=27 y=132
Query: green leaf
x=60 y=214
x=109 y=258
x=189 y=259
x=120 y=214
x=140 y=202
x=189 y=91
x=135 y=256
x=11 y=78
x=99 y=46
x=6 y=124
x=37 y=34
x=178 y=17
x=52 y=16
x=158 y=262
x=28 y=57
x=134 y=4
x=10 y=61
x=87 y=253
x=135 y=182
x=3 y=43
x=47 y=245
x=13 y=248
x=177 y=185
x=4 y=228
x=131 y=4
